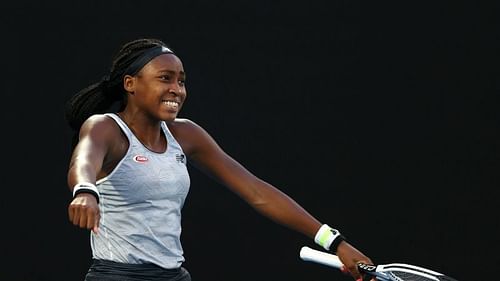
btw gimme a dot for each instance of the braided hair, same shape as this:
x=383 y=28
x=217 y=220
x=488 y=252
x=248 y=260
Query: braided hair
x=108 y=92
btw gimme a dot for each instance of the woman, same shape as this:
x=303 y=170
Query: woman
x=129 y=177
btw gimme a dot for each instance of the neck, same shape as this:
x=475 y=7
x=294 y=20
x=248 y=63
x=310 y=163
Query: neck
x=149 y=133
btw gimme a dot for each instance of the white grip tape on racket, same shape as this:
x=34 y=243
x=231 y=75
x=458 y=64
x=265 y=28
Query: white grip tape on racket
x=309 y=254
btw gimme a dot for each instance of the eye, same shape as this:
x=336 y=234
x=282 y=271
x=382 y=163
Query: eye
x=165 y=77
x=182 y=82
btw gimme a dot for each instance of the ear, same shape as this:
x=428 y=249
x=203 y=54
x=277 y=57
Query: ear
x=129 y=83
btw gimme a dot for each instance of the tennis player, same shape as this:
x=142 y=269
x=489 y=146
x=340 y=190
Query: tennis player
x=129 y=178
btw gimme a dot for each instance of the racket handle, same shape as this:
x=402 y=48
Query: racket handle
x=312 y=255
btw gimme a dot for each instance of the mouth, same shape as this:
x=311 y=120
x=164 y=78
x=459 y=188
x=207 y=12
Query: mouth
x=170 y=104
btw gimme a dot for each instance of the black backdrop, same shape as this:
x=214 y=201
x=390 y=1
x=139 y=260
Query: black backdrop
x=380 y=118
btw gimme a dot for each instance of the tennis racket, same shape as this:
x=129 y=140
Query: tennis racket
x=382 y=272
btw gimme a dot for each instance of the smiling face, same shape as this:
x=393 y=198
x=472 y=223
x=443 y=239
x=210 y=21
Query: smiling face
x=158 y=89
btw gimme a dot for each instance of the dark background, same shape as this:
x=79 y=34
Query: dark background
x=380 y=118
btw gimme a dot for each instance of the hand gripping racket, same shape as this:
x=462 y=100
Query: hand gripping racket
x=382 y=272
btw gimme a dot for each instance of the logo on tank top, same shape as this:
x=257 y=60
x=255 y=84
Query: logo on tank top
x=140 y=159
x=180 y=158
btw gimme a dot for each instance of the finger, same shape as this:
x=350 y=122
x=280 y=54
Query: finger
x=367 y=278
x=83 y=217
x=95 y=228
x=344 y=269
x=70 y=212
x=83 y=221
x=357 y=277
x=76 y=216
x=90 y=219
x=73 y=213
x=355 y=273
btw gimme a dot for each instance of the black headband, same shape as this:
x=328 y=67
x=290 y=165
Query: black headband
x=143 y=59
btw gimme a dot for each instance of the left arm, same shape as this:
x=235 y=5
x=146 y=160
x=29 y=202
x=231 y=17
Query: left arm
x=207 y=155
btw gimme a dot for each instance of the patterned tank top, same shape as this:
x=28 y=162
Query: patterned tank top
x=140 y=204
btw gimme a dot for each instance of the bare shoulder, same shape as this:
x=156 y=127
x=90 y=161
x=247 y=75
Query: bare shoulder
x=182 y=125
x=99 y=124
x=188 y=134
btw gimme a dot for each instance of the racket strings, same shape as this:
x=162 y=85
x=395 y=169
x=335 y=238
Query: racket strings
x=407 y=276
x=446 y=278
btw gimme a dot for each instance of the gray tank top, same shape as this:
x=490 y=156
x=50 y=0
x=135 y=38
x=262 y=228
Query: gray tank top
x=140 y=204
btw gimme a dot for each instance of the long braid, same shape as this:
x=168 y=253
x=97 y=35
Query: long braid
x=101 y=96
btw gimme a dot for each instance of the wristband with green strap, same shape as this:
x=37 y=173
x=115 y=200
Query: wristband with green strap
x=328 y=238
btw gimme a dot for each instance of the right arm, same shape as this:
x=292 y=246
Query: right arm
x=86 y=163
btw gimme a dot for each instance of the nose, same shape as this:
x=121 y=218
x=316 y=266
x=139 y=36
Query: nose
x=176 y=89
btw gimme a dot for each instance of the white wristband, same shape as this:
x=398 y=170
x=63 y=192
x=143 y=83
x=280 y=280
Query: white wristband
x=86 y=187
x=326 y=235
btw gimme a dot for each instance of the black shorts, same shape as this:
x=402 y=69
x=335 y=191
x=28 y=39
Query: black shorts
x=103 y=270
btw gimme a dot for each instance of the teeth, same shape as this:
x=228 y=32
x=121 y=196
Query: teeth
x=171 y=103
